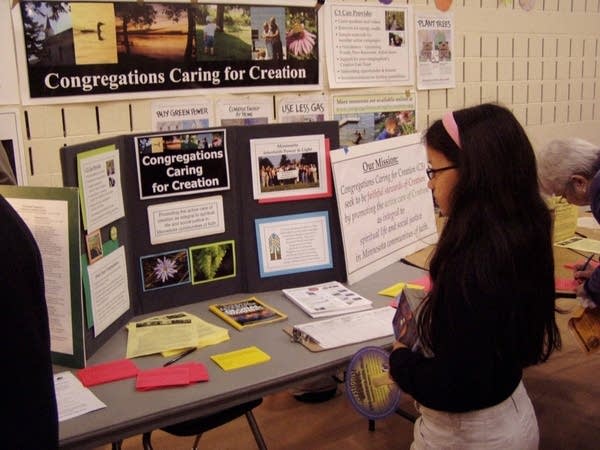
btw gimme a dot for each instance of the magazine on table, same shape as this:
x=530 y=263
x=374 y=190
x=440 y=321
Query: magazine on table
x=327 y=299
x=246 y=313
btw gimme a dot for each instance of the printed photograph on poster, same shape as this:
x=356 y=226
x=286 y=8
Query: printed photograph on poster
x=93 y=242
x=99 y=179
x=293 y=243
x=212 y=262
x=71 y=49
x=385 y=208
x=188 y=114
x=290 y=168
x=175 y=221
x=371 y=44
x=368 y=118
x=182 y=163
x=435 y=44
x=302 y=108
x=251 y=110
x=165 y=269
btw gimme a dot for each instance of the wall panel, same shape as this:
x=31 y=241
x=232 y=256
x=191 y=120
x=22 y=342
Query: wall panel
x=543 y=64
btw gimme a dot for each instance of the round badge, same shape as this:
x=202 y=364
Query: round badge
x=443 y=5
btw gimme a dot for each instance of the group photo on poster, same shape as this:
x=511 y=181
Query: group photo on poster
x=80 y=49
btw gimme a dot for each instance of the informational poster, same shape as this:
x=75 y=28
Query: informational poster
x=52 y=215
x=249 y=110
x=302 y=108
x=69 y=51
x=180 y=115
x=435 y=47
x=175 y=221
x=293 y=243
x=385 y=208
x=109 y=289
x=11 y=139
x=374 y=117
x=182 y=163
x=99 y=173
x=368 y=44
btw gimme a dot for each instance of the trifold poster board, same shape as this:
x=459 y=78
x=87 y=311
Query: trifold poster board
x=386 y=209
x=169 y=219
x=52 y=215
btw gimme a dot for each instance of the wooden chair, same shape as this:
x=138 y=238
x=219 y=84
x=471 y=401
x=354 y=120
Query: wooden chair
x=195 y=427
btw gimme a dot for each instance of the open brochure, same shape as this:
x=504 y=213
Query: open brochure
x=327 y=299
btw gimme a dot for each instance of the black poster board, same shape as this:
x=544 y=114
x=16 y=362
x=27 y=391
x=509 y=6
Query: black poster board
x=240 y=211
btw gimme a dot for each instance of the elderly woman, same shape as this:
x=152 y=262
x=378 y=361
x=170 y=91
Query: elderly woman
x=571 y=168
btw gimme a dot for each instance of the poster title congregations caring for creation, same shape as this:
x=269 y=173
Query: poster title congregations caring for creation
x=81 y=49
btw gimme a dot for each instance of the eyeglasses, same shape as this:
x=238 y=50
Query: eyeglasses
x=431 y=172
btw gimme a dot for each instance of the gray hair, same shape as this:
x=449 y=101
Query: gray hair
x=562 y=158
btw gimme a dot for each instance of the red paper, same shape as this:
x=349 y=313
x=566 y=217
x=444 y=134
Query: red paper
x=424 y=281
x=198 y=371
x=565 y=284
x=107 y=372
x=162 y=377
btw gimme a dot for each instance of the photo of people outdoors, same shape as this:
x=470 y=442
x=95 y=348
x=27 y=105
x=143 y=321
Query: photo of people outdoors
x=150 y=45
x=289 y=172
x=180 y=141
x=361 y=128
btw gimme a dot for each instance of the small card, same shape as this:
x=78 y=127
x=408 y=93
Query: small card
x=396 y=289
x=198 y=371
x=162 y=377
x=565 y=284
x=107 y=372
x=243 y=357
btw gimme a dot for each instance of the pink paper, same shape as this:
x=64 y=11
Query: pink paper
x=424 y=281
x=565 y=284
x=198 y=371
x=107 y=372
x=162 y=377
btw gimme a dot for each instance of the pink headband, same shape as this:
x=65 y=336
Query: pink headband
x=451 y=127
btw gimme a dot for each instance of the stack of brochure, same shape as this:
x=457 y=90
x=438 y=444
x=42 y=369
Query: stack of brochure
x=171 y=334
x=327 y=299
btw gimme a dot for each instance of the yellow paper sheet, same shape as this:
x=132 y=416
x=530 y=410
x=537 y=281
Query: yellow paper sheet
x=581 y=244
x=564 y=218
x=396 y=289
x=243 y=357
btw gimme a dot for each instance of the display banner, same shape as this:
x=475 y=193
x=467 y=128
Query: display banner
x=77 y=49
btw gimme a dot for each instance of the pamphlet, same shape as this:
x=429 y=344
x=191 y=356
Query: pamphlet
x=327 y=299
x=246 y=313
x=405 y=319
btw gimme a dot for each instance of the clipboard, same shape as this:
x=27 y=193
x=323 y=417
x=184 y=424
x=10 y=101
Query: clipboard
x=301 y=338
x=366 y=325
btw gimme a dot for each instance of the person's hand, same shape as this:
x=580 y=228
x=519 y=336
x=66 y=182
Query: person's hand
x=580 y=274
